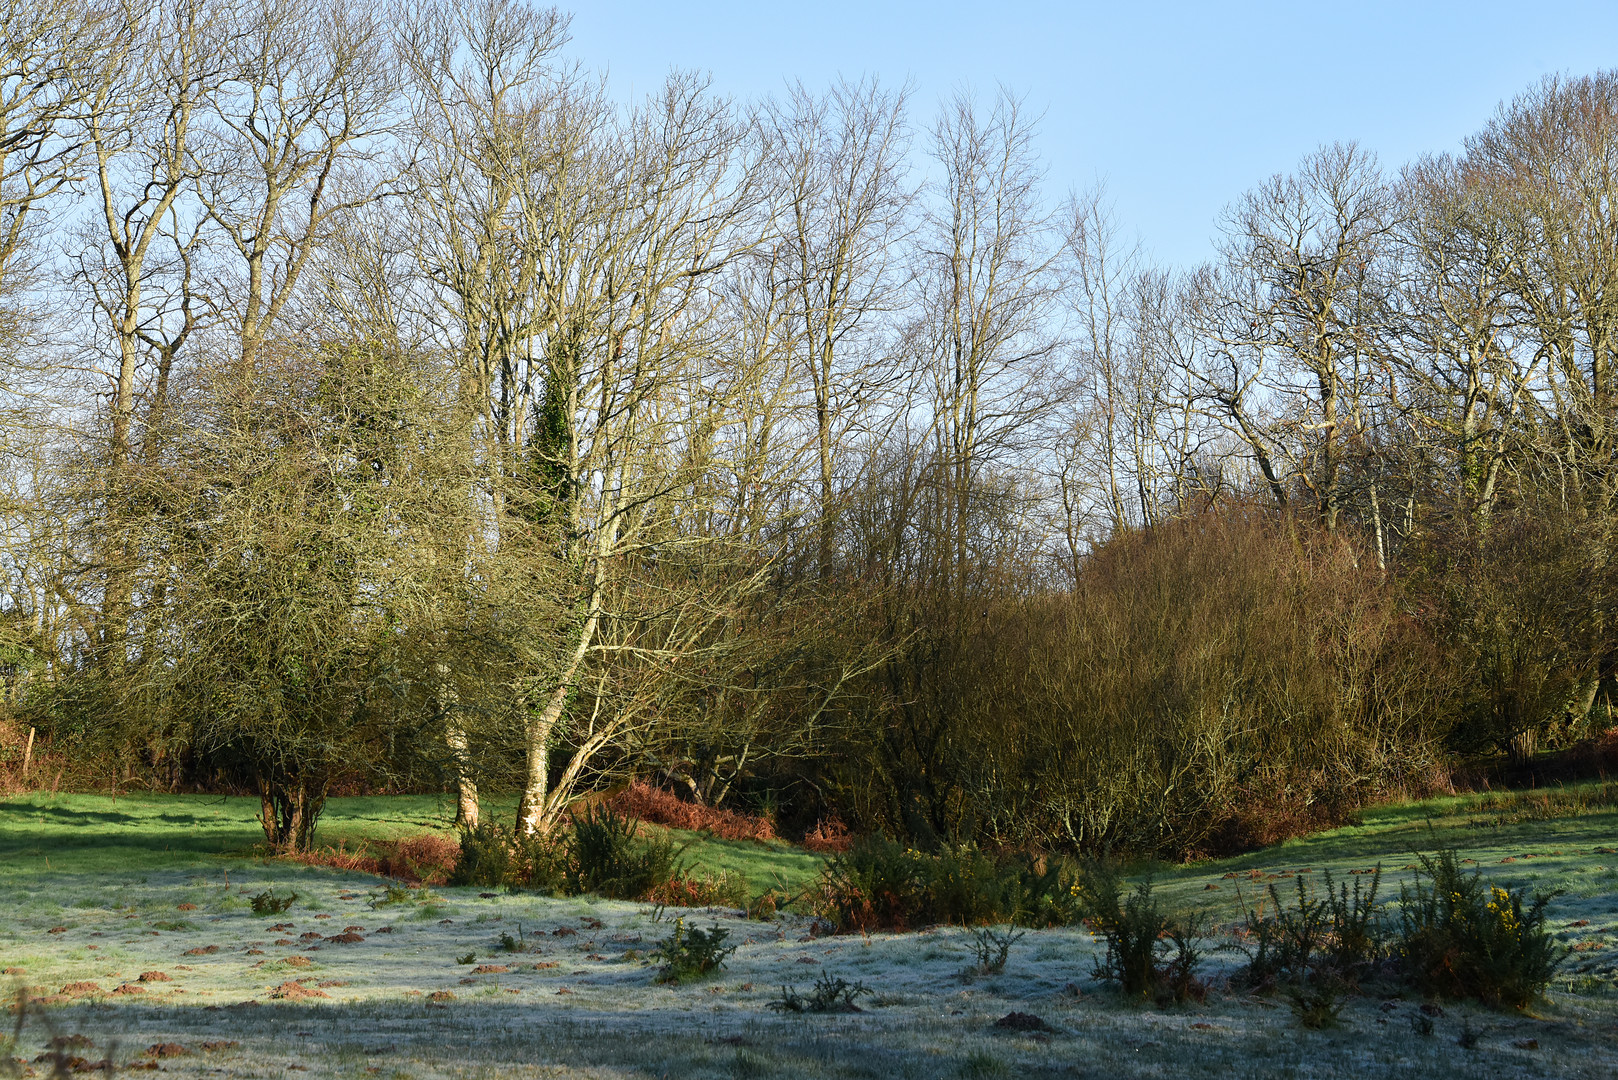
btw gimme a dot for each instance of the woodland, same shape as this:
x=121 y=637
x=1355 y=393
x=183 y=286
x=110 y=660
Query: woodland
x=389 y=406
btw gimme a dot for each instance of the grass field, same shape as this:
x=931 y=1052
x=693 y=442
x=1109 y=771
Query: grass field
x=97 y=891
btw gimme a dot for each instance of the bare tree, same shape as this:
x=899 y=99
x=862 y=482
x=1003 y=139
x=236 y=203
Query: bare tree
x=986 y=282
x=42 y=47
x=497 y=144
x=1128 y=425
x=1465 y=379
x=637 y=313
x=838 y=161
x=1294 y=316
x=310 y=92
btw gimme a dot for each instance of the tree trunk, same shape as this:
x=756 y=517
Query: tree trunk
x=289 y=810
x=467 y=808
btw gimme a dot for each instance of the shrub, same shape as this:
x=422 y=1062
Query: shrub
x=1149 y=953
x=1462 y=938
x=992 y=949
x=1318 y=1005
x=608 y=859
x=1332 y=939
x=880 y=884
x=393 y=894
x=492 y=856
x=516 y=944
x=829 y=994
x=267 y=903
x=486 y=857
x=599 y=852
x=689 y=954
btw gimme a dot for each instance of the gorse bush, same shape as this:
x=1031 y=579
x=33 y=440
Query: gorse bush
x=992 y=949
x=268 y=903
x=1331 y=938
x=1150 y=954
x=1461 y=937
x=881 y=884
x=831 y=993
x=488 y=857
x=608 y=858
x=689 y=954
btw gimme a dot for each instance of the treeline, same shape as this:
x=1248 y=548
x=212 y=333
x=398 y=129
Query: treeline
x=387 y=404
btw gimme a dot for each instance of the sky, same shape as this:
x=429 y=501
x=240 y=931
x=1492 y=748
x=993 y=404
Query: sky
x=1177 y=107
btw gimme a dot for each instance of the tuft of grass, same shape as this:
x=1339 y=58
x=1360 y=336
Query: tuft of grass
x=992 y=949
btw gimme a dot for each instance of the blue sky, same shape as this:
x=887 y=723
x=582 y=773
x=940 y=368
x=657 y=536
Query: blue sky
x=1179 y=107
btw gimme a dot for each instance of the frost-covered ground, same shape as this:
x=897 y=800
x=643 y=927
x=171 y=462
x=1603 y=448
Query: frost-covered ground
x=230 y=993
x=96 y=894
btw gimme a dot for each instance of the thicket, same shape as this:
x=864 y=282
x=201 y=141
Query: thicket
x=1217 y=682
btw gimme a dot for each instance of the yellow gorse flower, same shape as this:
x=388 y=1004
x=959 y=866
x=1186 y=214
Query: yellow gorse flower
x=1500 y=907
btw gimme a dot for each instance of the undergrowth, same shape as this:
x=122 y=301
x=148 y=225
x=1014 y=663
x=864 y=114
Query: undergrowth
x=1500 y=809
x=1457 y=936
x=882 y=885
x=1334 y=937
x=600 y=851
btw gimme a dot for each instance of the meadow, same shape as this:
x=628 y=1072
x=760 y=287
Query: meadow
x=133 y=919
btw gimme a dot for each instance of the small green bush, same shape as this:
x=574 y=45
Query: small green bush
x=1462 y=938
x=689 y=954
x=1149 y=953
x=993 y=949
x=829 y=994
x=394 y=894
x=1317 y=1005
x=517 y=943
x=267 y=903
